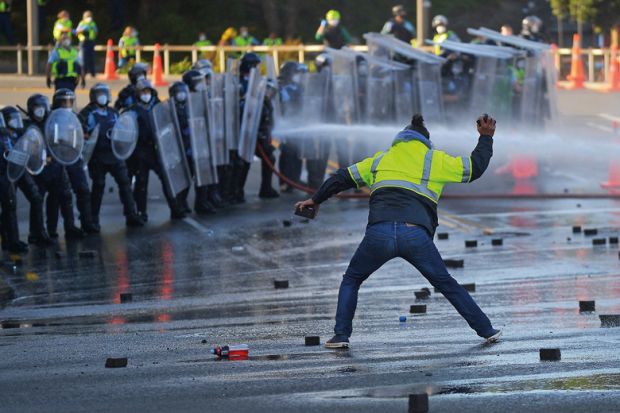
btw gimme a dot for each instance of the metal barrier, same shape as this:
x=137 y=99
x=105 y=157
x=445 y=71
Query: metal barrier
x=596 y=60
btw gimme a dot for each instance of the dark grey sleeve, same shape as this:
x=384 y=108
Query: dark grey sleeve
x=481 y=156
x=338 y=182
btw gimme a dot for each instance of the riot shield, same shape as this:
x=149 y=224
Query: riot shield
x=217 y=132
x=170 y=148
x=429 y=99
x=252 y=111
x=344 y=87
x=90 y=144
x=483 y=85
x=231 y=111
x=124 y=135
x=202 y=153
x=313 y=110
x=64 y=136
x=28 y=154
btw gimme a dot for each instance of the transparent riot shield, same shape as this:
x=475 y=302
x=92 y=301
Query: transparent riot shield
x=272 y=74
x=404 y=90
x=483 y=85
x=313 y=110
x=202 y=153
x=252 y=111
x=231 y=111
x=429 y=99
x=531 y=94
x=216 y=113
x=124 y=135
x=90 y=144
x=64 y=136
x=170 y=148
x=344 y=87
x=28 y=154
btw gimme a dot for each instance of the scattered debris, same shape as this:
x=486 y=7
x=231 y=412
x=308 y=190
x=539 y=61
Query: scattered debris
x=280 y=284
x=313 y=340
x=443 y=235
x=113 y=363
x=550 y=354
x=126 y=298
x=417 y=309
x=590 y=231
x=471 y=243
x=454 y=263
x=402 y=318
x=586 y=306
x=418 y=403
x=471 y=287
x=610 y=320
x=497 y=242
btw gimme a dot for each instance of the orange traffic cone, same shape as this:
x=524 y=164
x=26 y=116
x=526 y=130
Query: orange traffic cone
x=577 y=75
x=613 y=182
x=614 y=71
x=158 y=79
x=109 y=72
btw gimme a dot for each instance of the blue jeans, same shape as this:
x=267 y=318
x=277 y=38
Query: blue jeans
x=386 y=240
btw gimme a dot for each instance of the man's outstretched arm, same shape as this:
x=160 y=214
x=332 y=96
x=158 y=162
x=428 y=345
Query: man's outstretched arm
x=338 y=182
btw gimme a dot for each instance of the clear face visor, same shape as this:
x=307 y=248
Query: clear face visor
x=200 y=83
x=66 y=102
x=180 y=96
x=15 y=121
x=39 y=112
x=333 y=22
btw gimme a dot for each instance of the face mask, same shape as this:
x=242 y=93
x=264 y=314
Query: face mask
x=333 y=22
x=244 y=34
x=14 y=124
x=441 y=29
x=140 y=77
x=39 y=112
x=202 y=37
x=201 y=86
x=66 y=43
x=296 y=78
x=102 y=100
x=146 y=98
x=180 y=96
x=88 y=19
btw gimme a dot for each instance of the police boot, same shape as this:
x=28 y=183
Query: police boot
x=181 y=201
x=266 y=190
x=240 y=179
x=134 y=220
x=202 y=206
x=15 y=246
x=226 y=189
x=86 y=212
x=213 y=196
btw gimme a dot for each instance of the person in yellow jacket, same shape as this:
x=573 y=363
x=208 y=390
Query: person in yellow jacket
x=203 y=41
x=127 y=44
x=440 y=24
x=63 y=24
x=6 y=26
x=405 y=183
x=87 y=34
x=64 y=66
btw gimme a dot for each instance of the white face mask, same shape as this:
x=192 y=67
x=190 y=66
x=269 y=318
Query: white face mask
x=39 y=112
x=202 y=37
x=244 y=34
x=333 y=22
x=140 y=77
x=296 y=78
x=441 y=29
x=180 y=96
x=88 y=19
x=102 y=100
x=66 y=43
x=146 y=98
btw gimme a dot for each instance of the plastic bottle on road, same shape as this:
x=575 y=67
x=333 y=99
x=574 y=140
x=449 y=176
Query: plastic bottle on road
x=238 y=352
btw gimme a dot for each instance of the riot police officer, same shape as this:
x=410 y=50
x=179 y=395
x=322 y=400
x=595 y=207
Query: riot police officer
x=26 y=184
x=65 y=98
x=179 y=94
x=398 y=26
x=53 y=180
x=9 y=230
x=103 y=160
x=145 y=158
x=531 y=28
x=126 y=97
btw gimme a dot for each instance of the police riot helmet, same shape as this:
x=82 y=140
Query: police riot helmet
x=399 y=10
x=194 y=80
x=204 y=66
x=440 y=20
x=248 y=61
x=322 y=60
x=97 y=90
x=137 y=71
x=178 y=91
x=532 y=24
x=38 y=107
x=289 y=69
x=12 y=117
x=61 y=97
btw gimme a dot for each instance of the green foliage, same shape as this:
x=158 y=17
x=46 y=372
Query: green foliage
x=583 y=10
x=181 y=67
x=559 y=8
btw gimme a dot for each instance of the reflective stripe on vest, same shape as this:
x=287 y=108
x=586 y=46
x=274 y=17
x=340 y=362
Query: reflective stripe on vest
x=355 y=174
x=466 y=168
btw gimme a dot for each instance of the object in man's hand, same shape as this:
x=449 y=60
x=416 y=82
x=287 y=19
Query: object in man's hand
x=306 y=212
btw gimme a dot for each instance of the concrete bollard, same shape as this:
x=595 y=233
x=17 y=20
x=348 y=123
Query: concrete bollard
x=418 y=403
x=313 y=340
x=610 y=320
x=113 y=363
x=279 y=284
x=586 y=306
x=417 y=309
x=550 y=354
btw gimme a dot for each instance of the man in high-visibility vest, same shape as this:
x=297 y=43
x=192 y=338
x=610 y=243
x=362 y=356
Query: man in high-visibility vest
x=245 y=38
x=87 y=33
x=273 y=40
x=440 y=24
x=203 y=41
x=5 y=20
x=128 y=44
x=64 y=66
x=62 y=25
x=405 y=183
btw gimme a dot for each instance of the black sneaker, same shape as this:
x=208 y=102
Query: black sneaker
x=494 y=338
x=337 y=341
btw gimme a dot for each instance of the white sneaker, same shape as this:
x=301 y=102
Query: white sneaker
x=495 y=337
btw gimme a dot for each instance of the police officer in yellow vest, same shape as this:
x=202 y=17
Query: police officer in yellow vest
x=64 y=66
x=87 y=33
x=405 y=183
x=440 y=24
x=128 y=44
x=203 y=41
x=273 y=40
x=63 y=24
x=5 y=20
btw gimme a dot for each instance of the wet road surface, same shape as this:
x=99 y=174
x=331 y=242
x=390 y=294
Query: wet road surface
x=212 y=279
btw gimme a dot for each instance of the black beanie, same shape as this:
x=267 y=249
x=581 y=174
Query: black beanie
x=417 y=124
